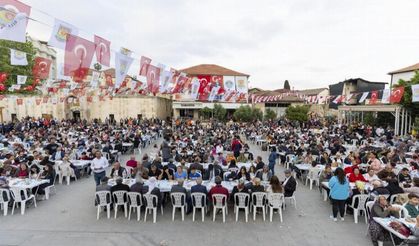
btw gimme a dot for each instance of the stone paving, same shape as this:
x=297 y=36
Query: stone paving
x=69 y=218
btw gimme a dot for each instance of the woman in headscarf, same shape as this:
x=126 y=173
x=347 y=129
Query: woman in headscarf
x=154 y=190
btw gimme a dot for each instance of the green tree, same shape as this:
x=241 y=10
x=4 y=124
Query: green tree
x=297 y=113
x=247 y=114
x=257 y=114
x=406 y=101
x=243 y=113
x=206 y=112
x=287 y=85
x=369 y=118
x=270 y=114
x=13 y=71
x=219 y=112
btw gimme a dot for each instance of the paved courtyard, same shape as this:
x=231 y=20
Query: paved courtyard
x=69 y=218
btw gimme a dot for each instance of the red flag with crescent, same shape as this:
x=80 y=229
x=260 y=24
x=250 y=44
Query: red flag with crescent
x=41 y=68
x=153 y=78
x=180 y=84
x=78 y=54
x=103 y=50
x=374 y=97
x=396 y=94
x=144 y=64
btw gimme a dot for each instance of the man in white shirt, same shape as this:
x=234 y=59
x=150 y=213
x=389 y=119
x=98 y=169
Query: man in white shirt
x=99 y=163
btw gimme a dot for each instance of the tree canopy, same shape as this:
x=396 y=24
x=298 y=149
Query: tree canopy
x=219 y=112
x=407 y=96
x=11 y=70
x=297 y=113
x=287 y=85
x=270 y=114
x=247 y=114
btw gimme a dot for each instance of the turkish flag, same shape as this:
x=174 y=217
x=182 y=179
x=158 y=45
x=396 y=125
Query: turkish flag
x=153 y=78
x=103 y=51
x=396 y=94
x=144 y=64
x=78 y=54
x=180 y=82
x=374 y=97
x=218 y=81
x=41 y=68
x=204 y=87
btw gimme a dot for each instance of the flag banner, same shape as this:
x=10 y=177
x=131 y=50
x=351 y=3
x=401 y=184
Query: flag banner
x=78 y=54
x=18 y=58
x=125 y=51
x=180 y=84
x=21 y=79
x=103 y=51
x=397 y=94
x=386 y=96
x=338 y=99
x=217 y=81
x=363 y=97
x=348 y=99
x=122 y=65
x=241 y=84
x=38 y=101
x=229 y=83
x=374 y=97
x=59 y=34
x=13 y=20
x=19 y=101
x=214 y=93
x=54 y=100
x=153 y=76
x=29 y=101
x=415 y=93
x=41 y=68
x=241 y=97
x=205 y=87
x=165 y=82
x=95 y=79
x=229 y=95
x=144 y=63
x=195 y=88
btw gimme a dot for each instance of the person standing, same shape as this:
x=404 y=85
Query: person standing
x=99 y=163
x=272 y=160
x=339 y=192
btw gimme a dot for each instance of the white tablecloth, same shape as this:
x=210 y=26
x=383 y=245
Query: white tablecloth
x=26 y=183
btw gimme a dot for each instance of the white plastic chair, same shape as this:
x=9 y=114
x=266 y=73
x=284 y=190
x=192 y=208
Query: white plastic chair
x=219 y=201
x=135 y=203
x=241 y=201
x=313 y=176
x=4 y=203
x=393 y=198
x=49 y=188
x=362 y=199
x=292 y=198
x=103 y=199
x=275 y=201
x=21 y=196
x=66 y=171
x=178 y=201
x=288 y=160
x=119 y=199
x=258 y=201
x=403 y=213
x=151 y=203
x=198 y=202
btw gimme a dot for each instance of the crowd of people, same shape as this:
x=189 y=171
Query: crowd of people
x=354 y=159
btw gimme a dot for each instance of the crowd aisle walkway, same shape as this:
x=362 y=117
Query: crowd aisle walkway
x=69 y=218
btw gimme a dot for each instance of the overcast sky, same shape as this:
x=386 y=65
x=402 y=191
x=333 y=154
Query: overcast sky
x=311 y=43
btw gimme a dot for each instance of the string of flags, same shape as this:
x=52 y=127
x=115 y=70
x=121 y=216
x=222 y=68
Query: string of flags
x=388 y=96
x=79 y=55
